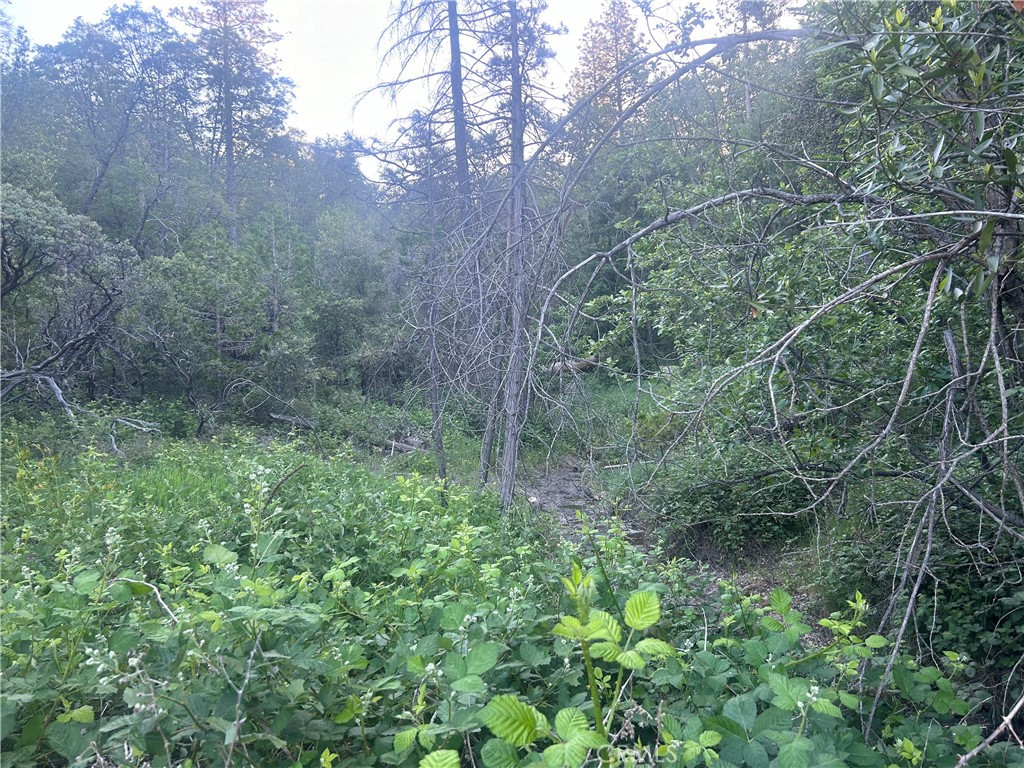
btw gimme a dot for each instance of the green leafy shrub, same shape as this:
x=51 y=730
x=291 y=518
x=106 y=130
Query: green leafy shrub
x=725 y=508
x=245 y=603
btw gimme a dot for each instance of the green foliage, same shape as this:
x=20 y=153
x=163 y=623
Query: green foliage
x=247 y=602
x=723 y=506
x=970 y=611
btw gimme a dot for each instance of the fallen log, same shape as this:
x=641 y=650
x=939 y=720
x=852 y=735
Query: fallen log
x=579 y=365
x=295 y=421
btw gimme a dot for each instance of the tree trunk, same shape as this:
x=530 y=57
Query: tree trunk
x=228 y=118
x=458 y=109
x=515 y=379
x=434 y=372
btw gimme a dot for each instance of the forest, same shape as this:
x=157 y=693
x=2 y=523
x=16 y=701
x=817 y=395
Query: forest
x=670 y=415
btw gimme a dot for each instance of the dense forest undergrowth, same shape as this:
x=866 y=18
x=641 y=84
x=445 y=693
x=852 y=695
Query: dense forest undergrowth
x=258 y=599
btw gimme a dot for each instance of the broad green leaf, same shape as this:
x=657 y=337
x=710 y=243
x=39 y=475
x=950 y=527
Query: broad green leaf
x=755 y=756
x=876 y=641
x=468 y=684
x=603 y=626
x=541 y=722
x=443 y=758
x=218 y=554
x=788 y=692
x=533 y=655
x=568 y=755
x=452 y=616
x=405 y=739
x=569 y=721
x=642 y=610
x=771 y=719
x=652 y=646
x=353 y=706
x=454 y=666
x=826 y=707
x=30 y=731
x=499 y=754
x=849 y=700
x=780 y=601
x=589 y=739
x=725 y=725
x=86 y=582
x=140 y=588
x=742 y=710
x=482 y=657
x=796 y=754
x=512 y=720
x=631 y=660
x=671 y=728
x=606 y=651
x=67 y=739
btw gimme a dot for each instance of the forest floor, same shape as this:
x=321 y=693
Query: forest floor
x=563 y=491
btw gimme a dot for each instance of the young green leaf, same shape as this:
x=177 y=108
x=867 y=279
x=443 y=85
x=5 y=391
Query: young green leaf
x=569 y=626
x=631 y=660
x=603 y=626
x=570 y=721
x=499 y=754
x=710 y=738
x=780 y=601
x=443 y=758
x=606 y=651
x=642 y=610
x=512 y=720
x=652 y=646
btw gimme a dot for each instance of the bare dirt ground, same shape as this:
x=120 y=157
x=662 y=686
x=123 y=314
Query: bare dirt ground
x=562 y=491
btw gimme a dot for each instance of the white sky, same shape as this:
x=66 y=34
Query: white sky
x=328 y=51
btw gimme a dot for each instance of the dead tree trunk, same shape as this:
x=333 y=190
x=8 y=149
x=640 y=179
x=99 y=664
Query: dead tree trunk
x=516 y=376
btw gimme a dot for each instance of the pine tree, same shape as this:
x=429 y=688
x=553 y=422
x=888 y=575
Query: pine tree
x=612 y=65
x=246 y=101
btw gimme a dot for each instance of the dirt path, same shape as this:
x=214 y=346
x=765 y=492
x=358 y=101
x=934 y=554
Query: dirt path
x=562 y=491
